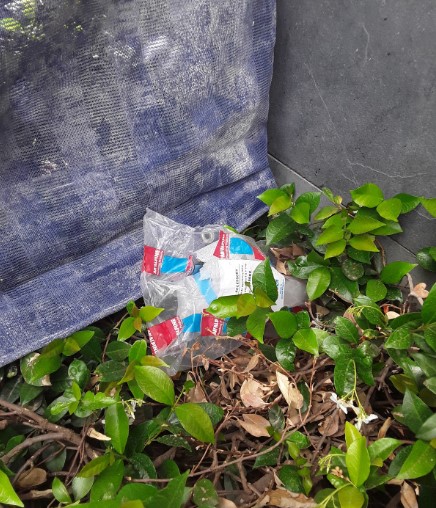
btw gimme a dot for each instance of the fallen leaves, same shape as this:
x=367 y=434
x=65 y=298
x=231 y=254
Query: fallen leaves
x=289 y=391
x=251 y=394
x=285 y=499
x=255 y=425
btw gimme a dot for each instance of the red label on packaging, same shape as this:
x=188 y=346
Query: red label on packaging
x=258 y=254
x=222 y=250
x=163 y=334
x=211 y=325
x=152 y=260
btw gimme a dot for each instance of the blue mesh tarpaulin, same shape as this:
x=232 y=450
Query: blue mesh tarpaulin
x=108 y=107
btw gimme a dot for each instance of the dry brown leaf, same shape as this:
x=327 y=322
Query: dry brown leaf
x=286 y=499
x=255 y=425
x=197 y=394
x=282 y=267
x=252 y=393
x=330 y=425
x=289 y=391
x=254 y=360
x=384 y=428
x=408 y=496
x=94 y=434
x=32 y=478
x=391 y=314
x=225 y=503
x=419 y=290
x=224 y=391
x=321 y=311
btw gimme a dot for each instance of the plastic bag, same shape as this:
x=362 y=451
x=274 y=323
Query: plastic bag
x=184 y=269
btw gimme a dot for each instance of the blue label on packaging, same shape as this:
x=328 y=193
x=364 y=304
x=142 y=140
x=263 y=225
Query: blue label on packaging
x=171 y=264
x=205 y=288
x=240 y=246
x=192 y=323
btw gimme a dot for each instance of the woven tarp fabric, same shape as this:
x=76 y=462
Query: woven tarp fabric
x=108 y=107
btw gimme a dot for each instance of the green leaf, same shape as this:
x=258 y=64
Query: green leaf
x=156 y=384
x=174 y=441
x=290 y=478
x=330 y=235
x=74 y=343
x=236 y=326
x=81 y=486
x=280 y=204
x=117 y=426
x=358 y=255
x=276 y=417
x=270 y=195
x=426 y=362
x=390 y=209
x=305 y=340
x=376 y=290
x=369 y=195
x=285 y=323
x=60 y=492
x=408 y=202
x=204 y=494
x=256 y=323
x=326 y=212
x=312 y=198
x=430 y=335
x=303 y=319
x=172 y=495
x=351 y=497
x=261 y=299
x=390 y=228
x=318 y=282
x=285 y=353
x=246 y=305
x=224 y=306
x=429 y=205
x=79 y=372
x=430 y=384
x=136 y=491
x=401 y=338
x=358 y=462
x=363 y=224
x=413 y=412
x=352 y=270
x=344 y=374
x=301 y=213
x=363 y=242
x=302 y=267
x=342 y=286
x=263 y=278
x=270 y=458
x=426 y=260
x=335 y=249
x=29 y=392
x=138 y=351
x=35 y=367
x=427 y=431
x=215 y=413
x=143 y=465
x=127 y=328
x=351 y=434
x=393 y=272
x=347 y=330
x=94 y=467
x=428 y=311
x=279 y=229
x=148 y=313
x=195 y=421
x=110 y=371
x=108 y=483
x=420 y=461
x=7 y=492
x=382 y=448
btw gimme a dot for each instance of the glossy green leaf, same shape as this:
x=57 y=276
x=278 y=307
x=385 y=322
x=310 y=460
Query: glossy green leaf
x=117 y=426
x=35 y=367
x=390 y=228
x=429 y=205
x=358 y=255
x=79 y=372
x=195 y=421
x=344 y=374
x=420 y=461
x=382 y=448
x=224 y=306
x=413 y=412
x=256 y=323
x=335 y=249
x=285 y=323
x=270 y=458
x=280 y=204
x=347 y=330
x=108 y=482
x=285 y=353
x=318 y=282
x=81 y=486
x=342 y=286
x=305 y=339
x=94 y=467
x=330 y=235
x=270 y=195
x=279 y=229
x=426 y=362
x=408 y=202
x=290 y=478
x=428 y=311
x=311 y=198
x=301 y=213
x=351 y=497
x=136 y=491
x=369 y=195
x=60 y=492
x=148 y=313
x=376 y=290
x=236 y=326
x=138 y=352
x=29 y=393
x=393 y=272
x=326 y=212
x=427 y=431
x=276 y=417
x=7 y=492
x=351 y=434
x=363 y=224
x=110 y=371
x=174 y=441
x=127 y=328
x=430 y=384
x=401 y=338
x=75 y=342
x=156 y=384
x=263 y=278
x=204 y=494
x=426 y=260
x=215 y=413
x=358 y=461
x=363 y=242
x=143 y=465
x=172 y=495
x=246 y=304
x=261 y=299
x=390 y=209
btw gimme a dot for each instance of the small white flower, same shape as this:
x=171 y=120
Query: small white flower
x=342 y=404
x=362 y=418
